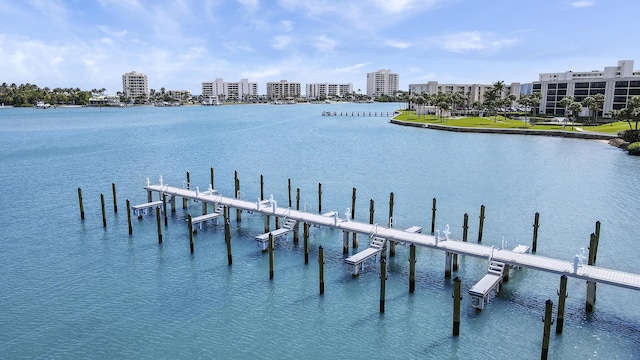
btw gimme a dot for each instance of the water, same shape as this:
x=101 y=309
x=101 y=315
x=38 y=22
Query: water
x=71 y=289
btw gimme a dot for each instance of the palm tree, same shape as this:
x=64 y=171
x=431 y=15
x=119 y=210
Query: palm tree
x=420 y=101
x=566 y=102
x=575 y=108
x=599 y=98
x=590 y=103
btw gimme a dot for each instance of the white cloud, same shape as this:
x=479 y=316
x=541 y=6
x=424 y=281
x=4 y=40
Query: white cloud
x=352 y=68
x=261 y=73
x=581 y=4
x=287 y=25
x=397 y=44
x=236 y=47
x=281 y=42
x=323 y=43
x=472 y=40
x=251 y=5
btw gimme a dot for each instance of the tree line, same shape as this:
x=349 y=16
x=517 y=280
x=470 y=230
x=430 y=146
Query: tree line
x=29 y=94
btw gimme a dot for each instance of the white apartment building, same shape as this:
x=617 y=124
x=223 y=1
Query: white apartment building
x=327 y=90
x=382 y=82
x=134 y=84
x=616 y=83
x=472 y=92
x=180 y=94
x=229 y=90
x=283 y=90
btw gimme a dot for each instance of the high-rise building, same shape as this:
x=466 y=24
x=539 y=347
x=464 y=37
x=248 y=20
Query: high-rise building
x=382 y=82
x=229 y=90
x=617 y=83
x=327 y=90
x=283 y=90
x=471 y=92
x=134 y=85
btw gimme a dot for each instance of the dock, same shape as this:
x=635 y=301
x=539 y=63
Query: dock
x=358 y=113
x=142 y=209
x=571 y=268
x=263 y=239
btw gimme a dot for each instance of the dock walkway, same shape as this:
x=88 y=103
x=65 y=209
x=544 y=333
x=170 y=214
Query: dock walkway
x=508 y=257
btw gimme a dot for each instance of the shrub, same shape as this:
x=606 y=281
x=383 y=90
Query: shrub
x=630 y=135
x=634 y=148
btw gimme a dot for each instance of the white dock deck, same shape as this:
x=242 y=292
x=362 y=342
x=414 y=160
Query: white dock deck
x=357 y=260
x=263 y=239
x=141 y=209
x=556 y=266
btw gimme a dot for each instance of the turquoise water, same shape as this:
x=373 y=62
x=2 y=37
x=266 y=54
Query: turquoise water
x=72 y=289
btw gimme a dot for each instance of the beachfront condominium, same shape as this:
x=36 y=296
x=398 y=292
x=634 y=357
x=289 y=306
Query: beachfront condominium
x=617 y=83
x=382 y=82
x=229 y=90
x=471 y=92
x=283 y=90
x=134 y=85
x=327 y=90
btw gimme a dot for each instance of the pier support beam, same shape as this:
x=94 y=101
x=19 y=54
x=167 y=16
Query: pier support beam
x=547 y=329
x=164 y=209
x=213 y=186
x=455 y=262
x=129 y=217
x=597 y=234
x=306 y=242
x=115 y=202
x=185 y=201
x=104 y=214
x=289 y=186
x=433 y=217
x=447 y=265
x=412 y=268
x=481 y=227
x=319 y=198
x=505 y=273
x=392 y=244
x=465 y=227
x=457 y=296
x=237 y=195
x=562 y=295
x=227 y=235
x=190 y=223
x=591 y=285
x=536 y=224
x=271 y=257
x=267 y=223
x=383 y=278
x=173 y=203
x=371 y=211
x=354 y=242
x=345 y=242
x=159 y=223
x=261 y=187
x=321 y=268
x=81 y=204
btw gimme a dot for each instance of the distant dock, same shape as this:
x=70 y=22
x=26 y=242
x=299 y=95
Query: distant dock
x=358 y=113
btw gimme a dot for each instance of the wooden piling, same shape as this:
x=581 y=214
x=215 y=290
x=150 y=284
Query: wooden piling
x=267 y=221
x=173 y=203
x=164 y=209
x=412 y=268
x=227 y=235
x=115 y=202
x=149 y=196
x=289 y=187
x=159 y=223
x=190 y=223
x=306 y=242
x=562 y=295
x=321 y=268
x=383 y=278
x=433 y=216
x=320 y=198
x=465 y=227
x=271 y=258
x=185 y=201
x=261 y=187
x=591 y=285
x=81 y=204
x=597 y=234
x=104 y=215
x=371 y=211
x=536 y=224
x=481 y=224
x=547 y=329
x=447 y=265
x=455 y=265
x=129 y=217
x=457 y=297
x=345 y=242
x=392 y=244
x=354 y=241
x=237 y=195
x=213 y=186
x=298 y=199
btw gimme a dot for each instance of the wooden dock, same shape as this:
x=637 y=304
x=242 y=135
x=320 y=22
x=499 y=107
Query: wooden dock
x=358 y=113
x=570 y=268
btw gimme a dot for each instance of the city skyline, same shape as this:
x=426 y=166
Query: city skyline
x=180 y=44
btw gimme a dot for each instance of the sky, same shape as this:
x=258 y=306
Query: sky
x=179 y=44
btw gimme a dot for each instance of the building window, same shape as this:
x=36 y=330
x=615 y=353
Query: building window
x=562 y=86
x=622 y=84
x=581 y=92
x=553 y=86
x=620 y=92
x=634 y=83
x=599 y=85
x=634 y=91
x=562 y=92
x=537 y=86
x=596 y=91
x=619 y=99
x=582 y=85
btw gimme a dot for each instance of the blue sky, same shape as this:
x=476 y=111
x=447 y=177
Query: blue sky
x=180 y=43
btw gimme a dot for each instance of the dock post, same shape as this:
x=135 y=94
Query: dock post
x=547 y=329
x=190 y=223
x=289 y=186
x=354 y=241
x=481 y=224
x=320 y=198
x=455 y=262
x=164 y=208
x=115 y=202
x=306 y=242
x=271 y=256
x=296 y=227
x=536 y=224
x=392 y=244
x=433 y=217
x=238 y=211
x=267 y=222
x=277 y=222
x=185 y=201
x=173 y=203
x=591 y=285
x=345 y=242
x=562 y=295
x=212 y=183
x=321 y=268
x=412 y=268
x=447 y=265
x=383 y=278
x=129 y=217
x=298 y=199
x=465 y=227
x=597 y=233
x=104 y=215
x=81 y=205
x=227 y=235
x=505 y=273
x=205 y=207
x=371 y=211
x=457 y=296
x=261 y=187
x=159 y=223
x=149 y=196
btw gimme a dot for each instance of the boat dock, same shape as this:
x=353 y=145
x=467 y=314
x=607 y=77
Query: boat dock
x=358 y=113
x=570 y=268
